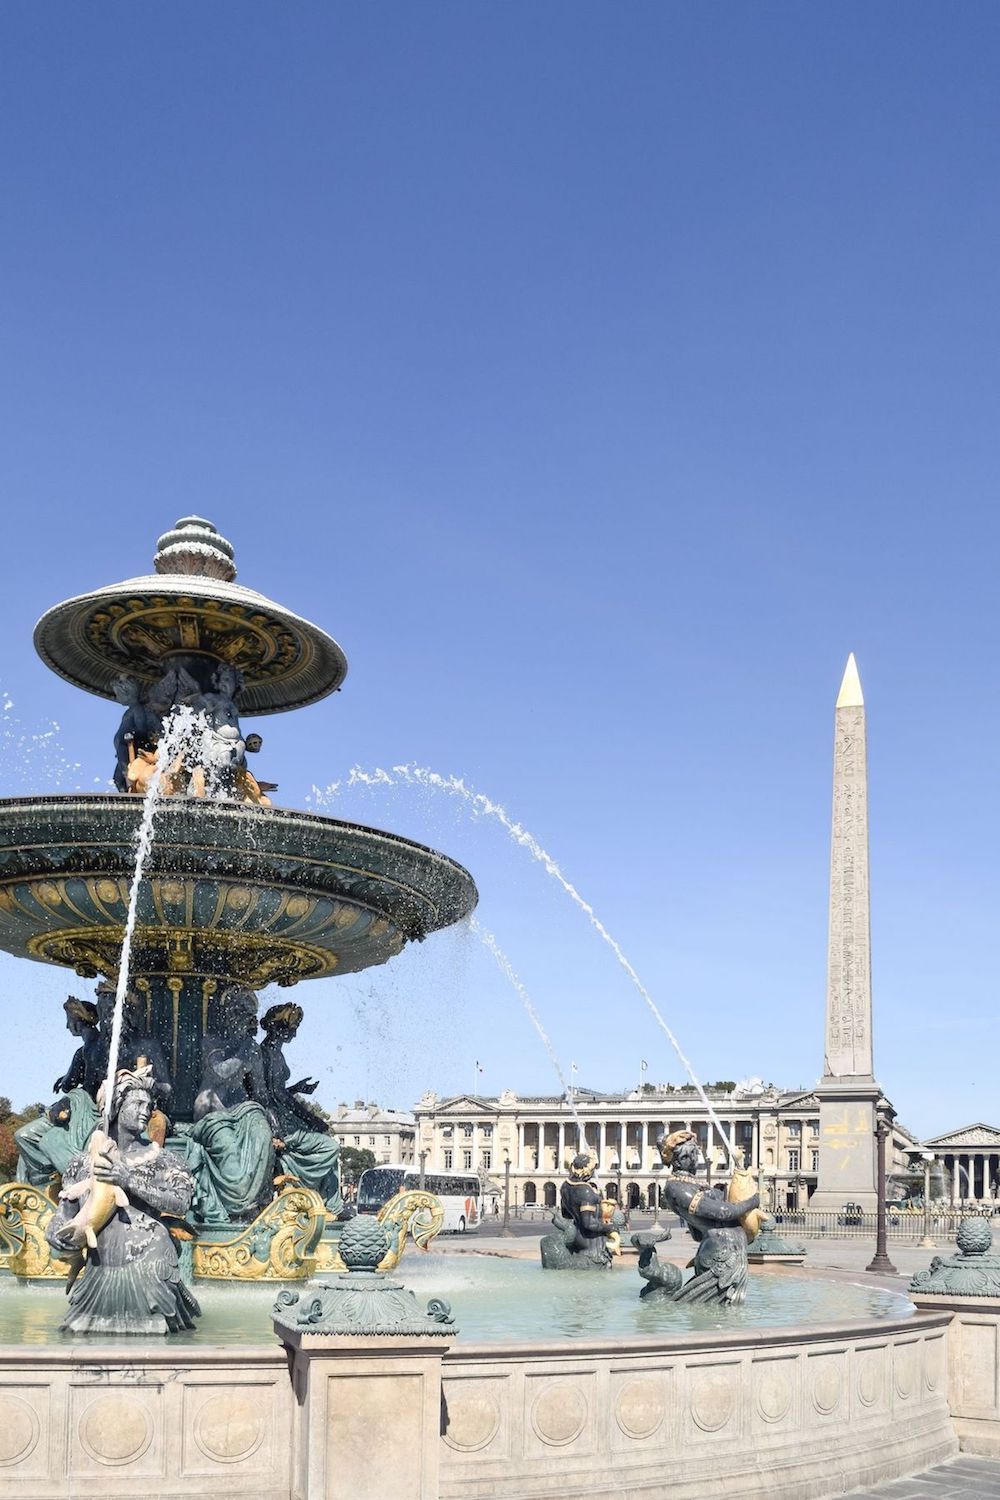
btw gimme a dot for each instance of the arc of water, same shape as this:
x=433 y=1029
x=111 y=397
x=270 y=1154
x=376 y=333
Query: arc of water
x=507 y=968
x=177 y=728
x=422 y=776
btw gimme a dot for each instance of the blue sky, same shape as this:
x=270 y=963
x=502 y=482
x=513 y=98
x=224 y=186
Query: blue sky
x=599 y=377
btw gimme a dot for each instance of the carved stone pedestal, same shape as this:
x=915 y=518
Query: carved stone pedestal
x=366 y=1374
x=968 y=1286
x=367 y=1421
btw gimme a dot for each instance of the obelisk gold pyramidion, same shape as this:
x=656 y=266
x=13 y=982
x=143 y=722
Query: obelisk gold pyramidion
x=848 y=1092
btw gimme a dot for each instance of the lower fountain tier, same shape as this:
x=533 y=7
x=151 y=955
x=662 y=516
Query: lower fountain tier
x=253 y=895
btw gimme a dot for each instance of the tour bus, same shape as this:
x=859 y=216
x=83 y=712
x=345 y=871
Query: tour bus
x=459 y=1193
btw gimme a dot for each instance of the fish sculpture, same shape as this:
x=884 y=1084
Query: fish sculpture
x=742 y=1187
x=99 y=1201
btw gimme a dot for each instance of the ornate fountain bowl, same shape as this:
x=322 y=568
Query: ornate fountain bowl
x=251 y=895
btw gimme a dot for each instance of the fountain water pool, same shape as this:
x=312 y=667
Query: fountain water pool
x=498 y=1299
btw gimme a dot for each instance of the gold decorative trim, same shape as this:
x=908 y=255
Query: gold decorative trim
x=411 y=1213
x=25 y=1213
x=256 y=958
x=280 y=1244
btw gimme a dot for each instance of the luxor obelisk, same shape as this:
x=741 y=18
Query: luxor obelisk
x=847 y=1091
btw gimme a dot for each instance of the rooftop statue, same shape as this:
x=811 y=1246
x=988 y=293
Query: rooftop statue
x=721 y=1228
x=116 y=1205
x=586 y=1225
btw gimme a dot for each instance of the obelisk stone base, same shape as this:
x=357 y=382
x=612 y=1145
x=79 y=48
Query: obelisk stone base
x=846 y=1144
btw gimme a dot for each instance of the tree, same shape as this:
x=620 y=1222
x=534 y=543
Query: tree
x=649 y=1088
x=8 y=1154
x=354 y=1161
x=6 y=1108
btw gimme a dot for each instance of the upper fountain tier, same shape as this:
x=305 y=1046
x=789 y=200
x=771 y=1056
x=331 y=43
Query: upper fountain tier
x=191 y=612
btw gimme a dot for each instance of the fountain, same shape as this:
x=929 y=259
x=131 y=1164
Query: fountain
x=192 y=896
x=562 y=1385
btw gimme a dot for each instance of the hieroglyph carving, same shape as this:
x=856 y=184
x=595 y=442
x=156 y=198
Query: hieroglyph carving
x=848 y=995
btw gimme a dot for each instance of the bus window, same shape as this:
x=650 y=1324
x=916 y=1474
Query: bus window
x=459 y=1195
x=377 y=1186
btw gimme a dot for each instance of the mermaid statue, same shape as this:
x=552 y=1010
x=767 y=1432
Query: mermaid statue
x=306 y=1149
x=118 y=1202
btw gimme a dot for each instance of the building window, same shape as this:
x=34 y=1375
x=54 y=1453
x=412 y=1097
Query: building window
x=371 y=1140
x=447 y=1161
x=793 y=1161
x=815 y=1161
x=467 y=1131
x=794 y=1129
x=487 y=1132
x=357 y=1140
x=387 y=1140
x=813 y=1127
x=486 y=1160
x=467 y=1160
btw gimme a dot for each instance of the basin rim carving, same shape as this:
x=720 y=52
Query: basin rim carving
x=334 y=895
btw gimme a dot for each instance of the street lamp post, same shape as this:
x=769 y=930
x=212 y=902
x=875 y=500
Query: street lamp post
x=880 y=1260
x=927 y=1243
x=505 y=1228
x=423 y=1167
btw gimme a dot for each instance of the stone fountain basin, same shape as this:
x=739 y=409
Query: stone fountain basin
x=261 y=895
x=846 y=1399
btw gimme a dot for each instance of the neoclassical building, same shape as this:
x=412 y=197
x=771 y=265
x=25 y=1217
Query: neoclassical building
x=776 y=1132
x=969 y=1161
x=389 y=1133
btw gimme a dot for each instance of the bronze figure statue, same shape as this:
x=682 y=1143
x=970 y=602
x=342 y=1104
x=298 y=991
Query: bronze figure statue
x=717 y=1224
x=118 y=1203
x=587 y=1224
x=306 y=1149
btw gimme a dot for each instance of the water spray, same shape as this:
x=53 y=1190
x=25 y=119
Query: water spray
x=408 y=775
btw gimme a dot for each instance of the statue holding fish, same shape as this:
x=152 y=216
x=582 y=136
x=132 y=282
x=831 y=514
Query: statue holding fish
x=121 y=1207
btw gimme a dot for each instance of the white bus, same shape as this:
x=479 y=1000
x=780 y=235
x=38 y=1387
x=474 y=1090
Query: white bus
x=458 y=1191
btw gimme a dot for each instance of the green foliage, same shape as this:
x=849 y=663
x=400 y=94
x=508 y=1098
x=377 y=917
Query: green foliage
x=724 y=1086
x=649 y=1088
x=354 y=1161
x=9 y=1122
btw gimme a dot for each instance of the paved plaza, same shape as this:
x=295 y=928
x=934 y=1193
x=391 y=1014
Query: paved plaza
x=965 y=1478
